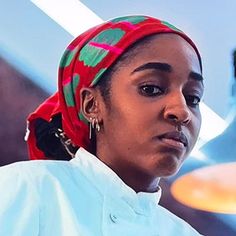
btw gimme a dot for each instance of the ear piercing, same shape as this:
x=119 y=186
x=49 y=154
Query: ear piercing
x=93 y=124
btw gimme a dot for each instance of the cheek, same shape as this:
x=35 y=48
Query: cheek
x=196 y=126
x=198 y=122
x=129 y=120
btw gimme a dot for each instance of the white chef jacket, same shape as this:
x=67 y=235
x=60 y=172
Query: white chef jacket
x=81 y=197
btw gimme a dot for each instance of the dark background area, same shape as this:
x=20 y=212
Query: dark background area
x=18 y=97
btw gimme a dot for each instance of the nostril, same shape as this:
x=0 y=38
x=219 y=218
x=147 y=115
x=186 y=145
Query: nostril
x=177 y=113
x=183 y=118
x=172 y=117
x=186 y=121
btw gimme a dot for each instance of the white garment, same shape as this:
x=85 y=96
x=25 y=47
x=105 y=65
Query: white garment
x=82 y=197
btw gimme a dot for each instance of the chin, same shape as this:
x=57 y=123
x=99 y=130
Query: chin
x=169 y=167
x=170 y=172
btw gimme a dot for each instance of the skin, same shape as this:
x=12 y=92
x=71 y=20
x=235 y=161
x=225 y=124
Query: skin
x=147 y=102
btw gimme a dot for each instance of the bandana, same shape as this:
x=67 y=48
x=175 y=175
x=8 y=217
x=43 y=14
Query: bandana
x=82 y=65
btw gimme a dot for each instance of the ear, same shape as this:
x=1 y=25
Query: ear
x=89 y=103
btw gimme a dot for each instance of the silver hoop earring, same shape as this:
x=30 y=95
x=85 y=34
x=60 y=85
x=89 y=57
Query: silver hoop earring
x=90 y=127
x=97 y=126
x=93 y=124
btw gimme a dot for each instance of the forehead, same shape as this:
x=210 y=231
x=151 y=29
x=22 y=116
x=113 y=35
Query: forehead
x=168 y=48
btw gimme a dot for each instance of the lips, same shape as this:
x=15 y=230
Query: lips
x=175 y=138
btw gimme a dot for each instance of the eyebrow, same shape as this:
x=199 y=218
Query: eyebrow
x=154 y=65
x=165 y=67
x=196 y=76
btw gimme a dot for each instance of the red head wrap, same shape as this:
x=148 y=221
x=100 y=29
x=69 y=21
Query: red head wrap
x=85 y=60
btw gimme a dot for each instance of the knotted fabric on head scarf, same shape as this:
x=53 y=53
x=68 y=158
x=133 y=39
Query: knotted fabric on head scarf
x=83 y=64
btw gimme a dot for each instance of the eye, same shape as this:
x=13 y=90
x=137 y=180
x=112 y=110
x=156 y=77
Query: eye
x=192 y=100
x=150 y=90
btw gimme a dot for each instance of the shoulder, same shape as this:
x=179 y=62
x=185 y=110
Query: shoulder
x=32 y=171
x=176 y=224
x=31 y=181
x=21 y=185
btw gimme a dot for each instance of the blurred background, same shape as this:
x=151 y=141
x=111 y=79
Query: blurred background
x=33 y=35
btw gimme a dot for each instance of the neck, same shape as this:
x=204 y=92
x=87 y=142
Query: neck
x=150 y=187
x=135 y=178
x=138 y=181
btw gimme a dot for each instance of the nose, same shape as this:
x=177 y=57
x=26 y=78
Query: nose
x=177 y=111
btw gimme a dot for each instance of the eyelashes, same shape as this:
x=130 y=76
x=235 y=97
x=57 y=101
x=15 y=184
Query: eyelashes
x=192 y=100
x=151 y=90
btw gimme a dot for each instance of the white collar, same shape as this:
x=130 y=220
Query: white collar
x=109 y=183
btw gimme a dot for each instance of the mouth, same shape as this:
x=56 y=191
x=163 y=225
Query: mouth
x=176 y=140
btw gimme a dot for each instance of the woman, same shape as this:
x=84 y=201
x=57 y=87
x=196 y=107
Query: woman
x=125 y=115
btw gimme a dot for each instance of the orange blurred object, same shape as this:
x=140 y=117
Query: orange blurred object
x=211 y=188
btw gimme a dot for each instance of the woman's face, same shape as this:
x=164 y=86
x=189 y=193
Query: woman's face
x=153 y=96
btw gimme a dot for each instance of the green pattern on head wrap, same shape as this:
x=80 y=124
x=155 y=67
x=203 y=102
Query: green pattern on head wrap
x=68 y=95
x=75 y=82
x=68 y=57
x=91 y=55
x=70 y=90
x=132 y=19
x=170 y=26
x=98 y=76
